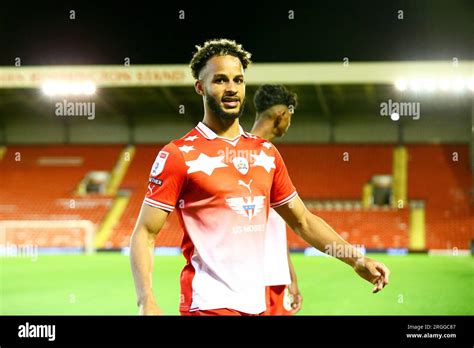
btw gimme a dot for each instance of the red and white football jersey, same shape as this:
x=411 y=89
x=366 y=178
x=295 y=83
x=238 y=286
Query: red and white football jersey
x=222 y=190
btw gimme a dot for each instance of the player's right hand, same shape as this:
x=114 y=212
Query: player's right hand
x=373 y=271
x=150 y=309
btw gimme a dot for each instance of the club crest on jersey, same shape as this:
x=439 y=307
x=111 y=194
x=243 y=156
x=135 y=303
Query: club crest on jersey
x=246 y=206
x=159 y=164
x=241 y=164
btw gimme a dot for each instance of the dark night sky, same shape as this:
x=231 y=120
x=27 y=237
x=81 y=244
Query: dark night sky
x=321 y=31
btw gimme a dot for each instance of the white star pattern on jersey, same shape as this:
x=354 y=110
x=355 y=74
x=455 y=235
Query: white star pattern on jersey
x=186 y=148
x=191 y=138
x=267 y=145
x=205 y=164
x=265 y=161
x=249 y=208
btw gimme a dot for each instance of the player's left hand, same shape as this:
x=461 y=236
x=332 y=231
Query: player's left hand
x=373 y=271
x=296 y=296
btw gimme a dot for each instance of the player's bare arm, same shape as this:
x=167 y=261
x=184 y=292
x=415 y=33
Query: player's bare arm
x=319 y=234
x=149 y=223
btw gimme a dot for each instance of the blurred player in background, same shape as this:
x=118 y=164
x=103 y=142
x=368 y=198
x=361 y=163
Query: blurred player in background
x=275 y=105
x=222 y=181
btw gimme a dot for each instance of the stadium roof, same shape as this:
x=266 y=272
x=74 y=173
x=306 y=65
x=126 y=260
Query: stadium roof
x=284 y=73
x=324 y=90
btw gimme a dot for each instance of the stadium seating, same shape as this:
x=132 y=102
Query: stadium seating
x=136 y=181
x=38 y=182
x=440 y=175
x=334 y=171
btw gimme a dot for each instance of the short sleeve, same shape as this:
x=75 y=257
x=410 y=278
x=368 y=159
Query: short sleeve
x=282 y=190
x=167 y=178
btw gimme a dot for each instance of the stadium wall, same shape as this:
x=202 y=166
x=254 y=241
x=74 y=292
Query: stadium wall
x=305 y=128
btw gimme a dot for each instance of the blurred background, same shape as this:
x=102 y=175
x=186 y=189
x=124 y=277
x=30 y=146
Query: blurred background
x=380 y=145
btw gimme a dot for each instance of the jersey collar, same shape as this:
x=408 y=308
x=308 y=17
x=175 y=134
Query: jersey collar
x=211 y=135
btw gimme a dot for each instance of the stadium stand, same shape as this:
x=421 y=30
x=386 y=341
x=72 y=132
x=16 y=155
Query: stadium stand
x=38 y=183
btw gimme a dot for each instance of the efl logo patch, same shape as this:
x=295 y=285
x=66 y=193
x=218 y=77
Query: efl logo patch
x=241 y=164
x=158 y=182
x=159 y=164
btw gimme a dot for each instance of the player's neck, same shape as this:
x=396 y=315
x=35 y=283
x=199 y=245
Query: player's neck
x=223 y=128
x=263 y=130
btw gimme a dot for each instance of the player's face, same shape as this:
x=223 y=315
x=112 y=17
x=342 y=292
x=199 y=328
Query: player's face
x=284 y=120
x=224 y=86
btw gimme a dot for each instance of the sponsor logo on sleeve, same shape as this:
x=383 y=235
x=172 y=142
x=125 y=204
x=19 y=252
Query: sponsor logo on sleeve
x=158 y=182
x=159 y=164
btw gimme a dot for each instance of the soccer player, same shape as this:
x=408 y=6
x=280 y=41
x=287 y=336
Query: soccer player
x=275 y=105
x=222 y=182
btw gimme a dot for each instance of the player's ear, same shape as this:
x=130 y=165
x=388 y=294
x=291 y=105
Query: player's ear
x=277 y=121
x=198 y=86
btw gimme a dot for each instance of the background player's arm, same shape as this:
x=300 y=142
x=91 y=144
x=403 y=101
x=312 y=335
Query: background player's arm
x=150 y=221
x=319 y=234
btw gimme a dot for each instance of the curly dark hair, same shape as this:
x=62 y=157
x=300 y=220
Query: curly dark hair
x=217 y=47
x=270 y=95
